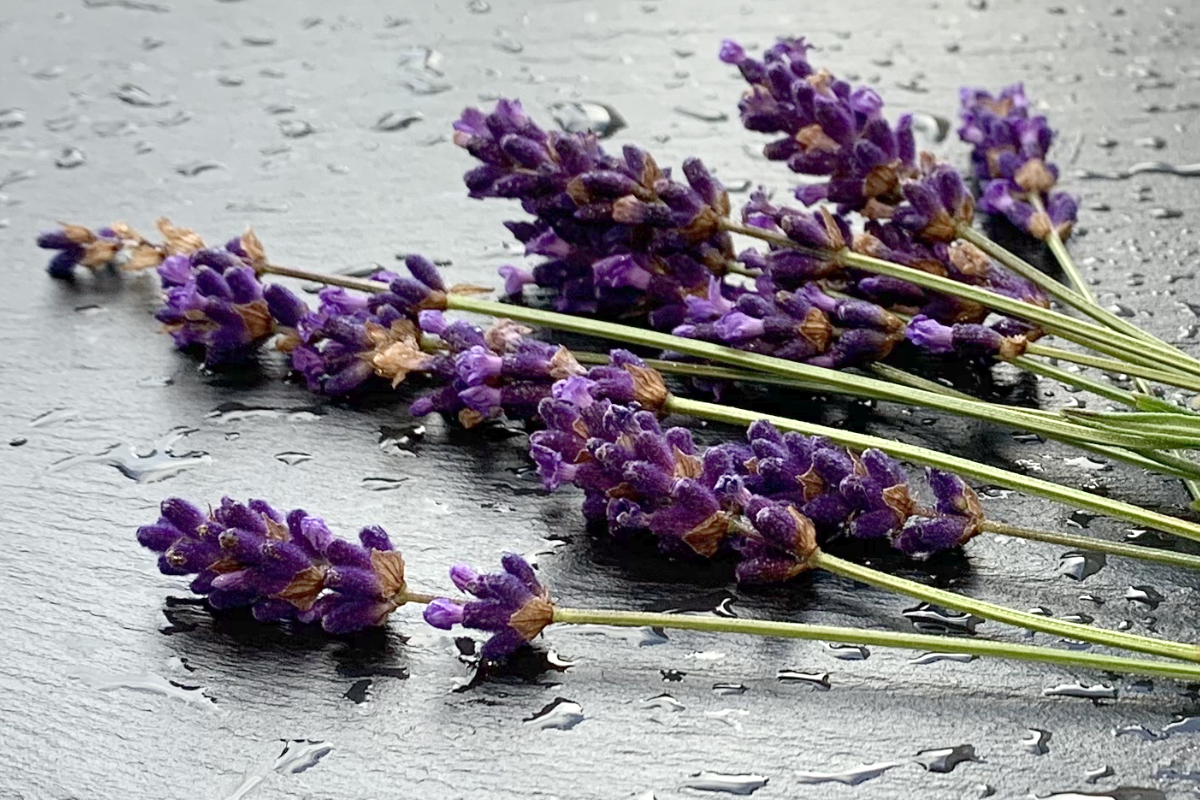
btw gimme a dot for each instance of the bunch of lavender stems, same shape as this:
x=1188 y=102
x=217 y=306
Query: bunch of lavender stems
x=236 y=326
x=292 y=567
x=247 y=556
x=829 y=379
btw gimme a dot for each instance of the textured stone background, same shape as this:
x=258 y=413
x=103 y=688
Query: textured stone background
x=112 y=685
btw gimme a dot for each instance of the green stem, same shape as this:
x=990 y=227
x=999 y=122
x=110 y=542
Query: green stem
x=833 y=380
x=1058 y=291
x=1059 y=248
x=1116 y=367
x=981 y=608
x=932 y=458
x=914 y=641
x=1077 y=330
x=1168 y=557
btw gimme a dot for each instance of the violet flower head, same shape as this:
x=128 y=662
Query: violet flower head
x=350 y=340
x=590 y=206
x=957 y=517
x=281 y=566
x=222 y=313
x=966 y=340
x=936 y=203
x=512 y=605
x=828 y=127
x=1009 y=156
x=115 y=246
x=778 y=546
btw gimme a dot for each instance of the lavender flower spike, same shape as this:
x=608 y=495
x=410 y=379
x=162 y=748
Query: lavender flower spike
x=967 y=340
x=116 y=246
x=511 y=605
x=283 y=566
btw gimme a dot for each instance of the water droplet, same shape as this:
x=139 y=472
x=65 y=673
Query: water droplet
x=49 y=73
x=401 y=438
x=581 y=117
x=1147 y=595
x=479 y=6
x=62 y=124
x=1093 y=775
x=818 y=680
x=258 y=41
x=1164 y=213
x=69 y=158
x=932 y=619
x=357 y=693
x=17 y=441
x=846 y=652
x=193 y=168
x=292 y=458
x=231 y=412
x=730 y=688
x=933 y=658
x=53 y=417
x=850 y=777
x=295 y=128
x=1097 y=691
x=1137 y=731
x=933 y=127
x=397 y=120
x=662 y=701
x=1083 y=462
x=1081 y=519
x=562 y=714
x=1120 y=793
x=11 y=118
x=1037 y=741
x=154 y=382
x=137 y=96
x=1151 y=142
x=161 y=463
x=1107 y=142
x=945 y=759
x=506 y=44
x=382 y=484
x=1080 y=619
x=1078 y=564
x=1143 y=167
x=702 y=114
x=722 y=782
x=672 y=675
x=1182 y=725
x=150 y=684
x=300 y=754
x=1028 y=438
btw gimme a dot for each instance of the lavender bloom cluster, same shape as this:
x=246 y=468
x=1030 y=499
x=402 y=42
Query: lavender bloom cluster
x=618 y=233
x=828 y=127
x=512 y=605
x=282 y=566
x=770 y=501
x=1008 y=156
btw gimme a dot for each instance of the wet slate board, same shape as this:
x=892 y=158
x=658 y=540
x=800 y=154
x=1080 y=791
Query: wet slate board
x=325 y=127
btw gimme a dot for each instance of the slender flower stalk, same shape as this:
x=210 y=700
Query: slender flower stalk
x=915 y=641
x=831 y=379
x=515 y=607
x=292 y=568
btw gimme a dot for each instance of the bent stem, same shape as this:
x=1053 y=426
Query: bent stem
x=1011 y=616
x=1168 y=557
x=873 y=638
x=932 y=458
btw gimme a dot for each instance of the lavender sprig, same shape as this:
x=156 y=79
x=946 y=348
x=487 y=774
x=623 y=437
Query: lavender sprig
x=282 y=566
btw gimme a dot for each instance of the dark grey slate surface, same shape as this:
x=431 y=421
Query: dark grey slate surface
x=101 y=658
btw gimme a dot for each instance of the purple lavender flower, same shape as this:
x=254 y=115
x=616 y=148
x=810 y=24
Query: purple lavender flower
x=829 y=128
x=1009 y=152
x=965 y=340
x=778 y=546
x=116 y=246
x=591 y=208
x=937 y=202
x=512 y=605
x=223 y=314
x=283 y=567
